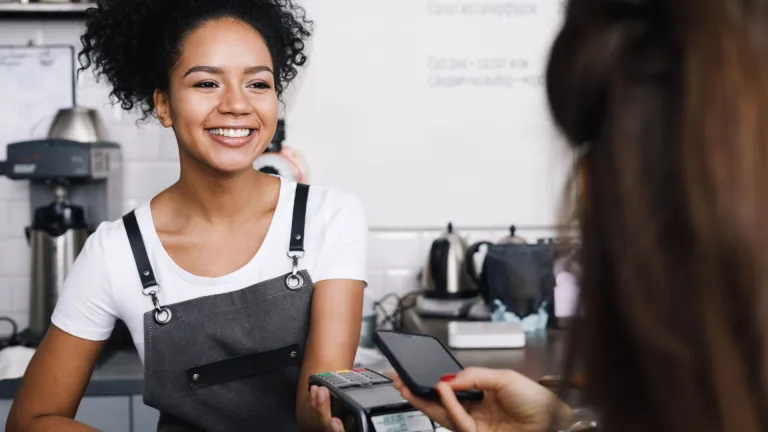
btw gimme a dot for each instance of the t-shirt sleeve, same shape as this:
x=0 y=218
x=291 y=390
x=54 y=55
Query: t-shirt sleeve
x=345 y=245
x=85 y=307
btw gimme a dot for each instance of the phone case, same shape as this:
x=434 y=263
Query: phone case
x=421 y=391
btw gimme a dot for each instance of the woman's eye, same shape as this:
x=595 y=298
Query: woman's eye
x=260 y=85
x=205 y=84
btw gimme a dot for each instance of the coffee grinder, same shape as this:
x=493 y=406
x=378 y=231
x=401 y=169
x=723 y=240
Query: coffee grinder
x=73 y=187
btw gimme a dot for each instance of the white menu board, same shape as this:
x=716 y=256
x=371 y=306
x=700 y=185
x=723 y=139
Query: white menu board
x=433 y=110
x=35 y=82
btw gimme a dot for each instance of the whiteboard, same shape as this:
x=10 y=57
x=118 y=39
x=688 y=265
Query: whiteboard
x=432 y=110
x=35 y=82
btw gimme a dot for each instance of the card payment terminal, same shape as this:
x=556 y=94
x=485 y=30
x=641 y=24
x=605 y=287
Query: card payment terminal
x=366 y=401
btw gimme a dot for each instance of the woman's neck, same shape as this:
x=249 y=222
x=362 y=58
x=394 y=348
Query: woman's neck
x=213 y=197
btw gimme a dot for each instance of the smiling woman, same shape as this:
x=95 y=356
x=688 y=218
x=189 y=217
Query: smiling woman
x=221 y=100
x=235 y=285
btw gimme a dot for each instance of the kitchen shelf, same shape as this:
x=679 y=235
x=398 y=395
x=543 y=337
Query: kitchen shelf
x=43 y=10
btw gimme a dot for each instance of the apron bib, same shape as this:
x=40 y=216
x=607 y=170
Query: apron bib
x=231 y=361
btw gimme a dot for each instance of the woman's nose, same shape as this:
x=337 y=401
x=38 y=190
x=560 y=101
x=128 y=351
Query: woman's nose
x=235 y=101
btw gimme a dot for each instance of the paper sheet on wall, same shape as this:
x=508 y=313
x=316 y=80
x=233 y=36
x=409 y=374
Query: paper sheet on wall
x=36 y=82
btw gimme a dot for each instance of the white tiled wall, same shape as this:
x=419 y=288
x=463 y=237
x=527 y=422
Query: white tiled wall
x=151 y=165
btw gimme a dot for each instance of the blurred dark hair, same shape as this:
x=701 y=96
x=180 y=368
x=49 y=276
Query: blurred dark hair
x=134 y=44
x=668 y=103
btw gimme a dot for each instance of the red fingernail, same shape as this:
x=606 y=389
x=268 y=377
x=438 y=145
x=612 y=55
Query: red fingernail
x=448 y=377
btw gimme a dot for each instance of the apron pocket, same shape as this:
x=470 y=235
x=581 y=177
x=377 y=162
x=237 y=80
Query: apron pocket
x=243 y=366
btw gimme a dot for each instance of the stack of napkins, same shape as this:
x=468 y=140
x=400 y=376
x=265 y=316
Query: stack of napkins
x=485 y=334
x=14 y=361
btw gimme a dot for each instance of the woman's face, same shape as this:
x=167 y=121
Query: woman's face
x=222 y=102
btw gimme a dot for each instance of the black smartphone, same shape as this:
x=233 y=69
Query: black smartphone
x=421 y=361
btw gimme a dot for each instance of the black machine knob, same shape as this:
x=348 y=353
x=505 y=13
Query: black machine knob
x=59 y=217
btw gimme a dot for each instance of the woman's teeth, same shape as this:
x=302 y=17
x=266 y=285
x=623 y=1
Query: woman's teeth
x=232 y=133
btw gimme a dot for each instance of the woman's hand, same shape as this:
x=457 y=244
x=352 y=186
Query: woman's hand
x=321 y=402
x=511 y=402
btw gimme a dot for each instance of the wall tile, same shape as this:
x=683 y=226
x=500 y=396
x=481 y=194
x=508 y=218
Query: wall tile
x=20 y=287
x=375 y=287
x=4 y=218
x=168 y=147
x=144 y=180
x=87 y=79
x=14 y=257
x=138 y=143
x=6 y=296
x=21 y=32
x=13 y=189
x=63 y=32
x=394 y=249
x=98 y=98
x=401 y=281
x=19 y=217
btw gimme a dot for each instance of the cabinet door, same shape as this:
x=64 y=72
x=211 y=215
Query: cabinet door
x=144 y=418
x=106 y=413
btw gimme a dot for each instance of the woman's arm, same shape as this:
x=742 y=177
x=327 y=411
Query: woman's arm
x=54 y=383
x=334 y=333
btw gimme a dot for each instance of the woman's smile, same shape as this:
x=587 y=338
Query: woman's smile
x=232 y=136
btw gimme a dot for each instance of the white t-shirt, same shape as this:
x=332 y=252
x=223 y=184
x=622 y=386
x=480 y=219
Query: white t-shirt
x=103 y=284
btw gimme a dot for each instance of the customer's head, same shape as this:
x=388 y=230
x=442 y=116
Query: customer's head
x=211 y=69
x=667 y=101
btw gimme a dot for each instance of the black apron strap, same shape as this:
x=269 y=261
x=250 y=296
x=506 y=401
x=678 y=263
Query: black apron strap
x=299 y=218
x=139 y=251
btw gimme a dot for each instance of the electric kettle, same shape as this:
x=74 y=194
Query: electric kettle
x=474 y=272
x=444 y=276
x=512 y=238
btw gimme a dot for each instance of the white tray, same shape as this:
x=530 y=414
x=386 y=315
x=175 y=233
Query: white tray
x=485 y=335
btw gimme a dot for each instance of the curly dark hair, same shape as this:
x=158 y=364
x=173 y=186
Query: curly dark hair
x=134 y=44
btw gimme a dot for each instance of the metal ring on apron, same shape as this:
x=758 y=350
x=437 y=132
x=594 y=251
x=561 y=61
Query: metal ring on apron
x=159 y=310
x=294 y=280
x=158 y=314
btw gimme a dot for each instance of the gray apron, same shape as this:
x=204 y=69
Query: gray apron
x=227 y=362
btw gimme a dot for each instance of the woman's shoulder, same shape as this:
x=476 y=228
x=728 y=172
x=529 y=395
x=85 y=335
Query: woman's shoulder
x=110 y=237
x=339 y=219
x=108 y=232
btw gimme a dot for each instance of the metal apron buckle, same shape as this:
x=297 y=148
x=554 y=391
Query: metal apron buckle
x=162 y=313
x=294 y=280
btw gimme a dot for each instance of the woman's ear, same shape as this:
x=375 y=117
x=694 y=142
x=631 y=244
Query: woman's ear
x=162 y=108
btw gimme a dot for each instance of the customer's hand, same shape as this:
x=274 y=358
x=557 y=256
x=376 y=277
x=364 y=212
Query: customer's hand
x=321 y=402
x=511 y=402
